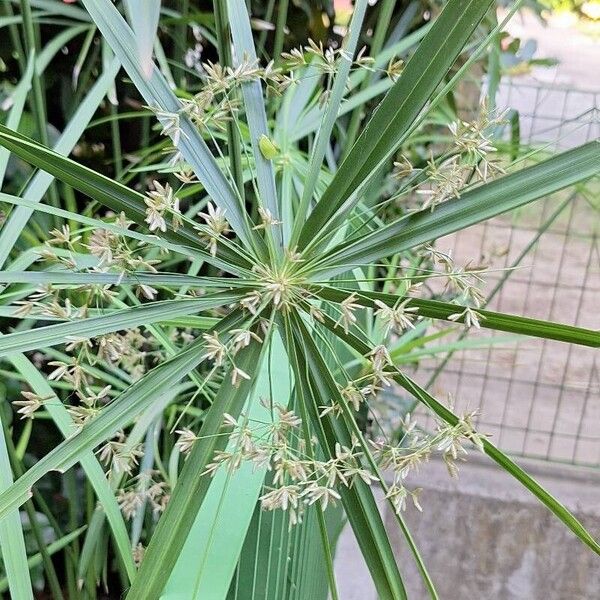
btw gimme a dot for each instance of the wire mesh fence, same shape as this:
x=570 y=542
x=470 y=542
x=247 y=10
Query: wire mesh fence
x=556 y=117
x=536 y=398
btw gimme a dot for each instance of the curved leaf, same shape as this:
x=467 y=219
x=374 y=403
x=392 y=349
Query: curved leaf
x=490 y=319
x=52 y=335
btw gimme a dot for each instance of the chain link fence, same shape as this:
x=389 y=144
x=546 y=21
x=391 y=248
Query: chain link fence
x=536 y=398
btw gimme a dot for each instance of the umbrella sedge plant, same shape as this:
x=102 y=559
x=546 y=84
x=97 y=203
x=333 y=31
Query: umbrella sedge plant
x=213 y=346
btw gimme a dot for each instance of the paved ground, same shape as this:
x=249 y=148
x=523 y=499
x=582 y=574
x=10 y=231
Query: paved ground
x=561 y=38
x=484 y=536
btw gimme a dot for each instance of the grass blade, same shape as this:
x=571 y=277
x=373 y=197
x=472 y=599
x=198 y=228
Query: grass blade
x=491 y=320
x=52 y=335
x=12 y=542
x=301 y=127
x=507 y=464
x=52 y=548
x=184 y=250
x=117 y=415
x=74 y=278
x=108 y=192
x=143 y=16
x=19 y=97
x=89 y=463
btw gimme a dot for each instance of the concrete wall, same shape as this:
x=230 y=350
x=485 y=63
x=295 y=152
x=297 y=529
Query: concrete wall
x=483 y=536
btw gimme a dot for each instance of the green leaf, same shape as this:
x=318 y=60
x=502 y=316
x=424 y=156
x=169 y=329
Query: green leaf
x=506 y=463
x=152 y=279
x=54 y=7
x=219 y=530
x=490 y=320
x=143 y=16
x=158 y=242
x=54 y=46
x=52 y=335
x=400 y=107
x=475 y=205
x=12 y=542
x=256 y=117
x=89 y=463
x=301 y=127
x=19 y=96
x=330 y=115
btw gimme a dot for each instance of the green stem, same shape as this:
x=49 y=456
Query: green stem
x=116 y=143
x=282 y=14
x=383 y=21
x=71 y=493
x=234 y=142
x=31 y=45
x=13 y=31
x=32 y=517
x=320 y=518
x=38 y=102
x=263 y=36
x=181 y=39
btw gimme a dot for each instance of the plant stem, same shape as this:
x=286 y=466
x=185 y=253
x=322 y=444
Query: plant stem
x=181 y=40
x=31 y=45
x=386 y=10
x=15 y=40
x=38 y=103
x=32 y=517
x=225 y=57
x=282 y=14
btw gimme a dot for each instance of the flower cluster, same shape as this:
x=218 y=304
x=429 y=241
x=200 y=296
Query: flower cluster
x=472 y=142
x=298 y=479
x=217 y=102
x=280 y=287
x=417 y=447
x=161 y=201
x=216 y=227
x=445 y=177
x=464 y=283
x=143 y=489
x=222 y=353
